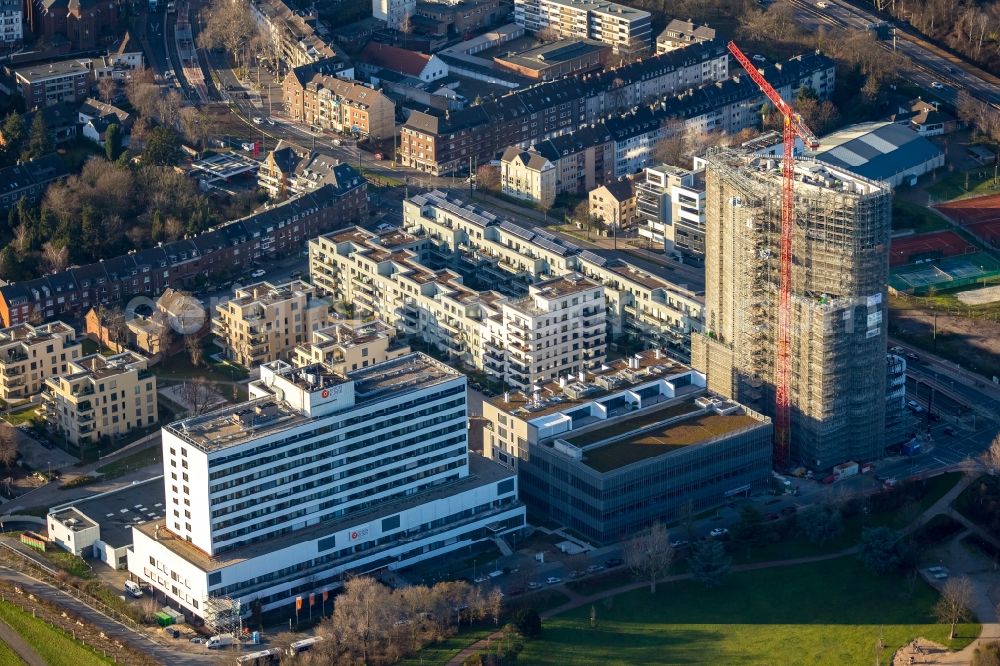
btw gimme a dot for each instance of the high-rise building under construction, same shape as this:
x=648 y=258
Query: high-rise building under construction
x=840 y=245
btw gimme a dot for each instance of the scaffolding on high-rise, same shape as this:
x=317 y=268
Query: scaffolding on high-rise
x=836 y=302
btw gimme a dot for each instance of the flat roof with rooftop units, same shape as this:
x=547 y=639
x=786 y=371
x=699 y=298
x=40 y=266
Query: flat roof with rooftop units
x=273 y=411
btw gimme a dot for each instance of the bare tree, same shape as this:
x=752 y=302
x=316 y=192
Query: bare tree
x=360 y=616
x=230 y=26
x=495 y=604
x=108 y=89
x=143 y=93
x=8 y=445
x=955 y=603
x=548 y=34
x=650 y=555
x=488 y=177
x=54 y=258
x=991 y=457
x=198 y=394
x=194 y=349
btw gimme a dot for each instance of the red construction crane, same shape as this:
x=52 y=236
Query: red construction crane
x=793 y=127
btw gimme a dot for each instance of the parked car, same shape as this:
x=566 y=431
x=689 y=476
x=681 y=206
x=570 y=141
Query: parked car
x=270 y=121
x=937 y=85
x=259 y=273
x=594 y=568
x=534 y=586
x=912 y=356
x=822 y=5
x=678 y=543
x=257 y=120
x=718 y=532
x=552 y=580
x=758 y=58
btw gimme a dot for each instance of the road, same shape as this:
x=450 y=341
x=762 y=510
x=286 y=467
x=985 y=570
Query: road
x=112 y=629
x=930 y=65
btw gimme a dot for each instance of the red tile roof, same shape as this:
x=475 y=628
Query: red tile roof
x=395 y=58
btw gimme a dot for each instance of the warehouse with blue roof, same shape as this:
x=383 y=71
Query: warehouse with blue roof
x=880 y=151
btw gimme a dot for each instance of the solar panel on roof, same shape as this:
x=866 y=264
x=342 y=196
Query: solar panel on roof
x=595 y=259
x=550 y=246
x=516 y=230
x=543 y=233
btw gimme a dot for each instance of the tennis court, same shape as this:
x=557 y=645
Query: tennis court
x=980 y=215
x=947 y=273
x=910 y=249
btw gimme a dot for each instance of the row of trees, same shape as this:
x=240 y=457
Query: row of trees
x=373 y=624
x=968 y=26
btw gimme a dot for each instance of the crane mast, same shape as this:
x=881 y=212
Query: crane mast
x=793 y=127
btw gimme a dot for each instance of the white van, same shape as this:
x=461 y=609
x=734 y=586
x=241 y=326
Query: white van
x=133 y=589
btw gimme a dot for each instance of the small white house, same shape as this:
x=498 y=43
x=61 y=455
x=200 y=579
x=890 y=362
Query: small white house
x=95 y=117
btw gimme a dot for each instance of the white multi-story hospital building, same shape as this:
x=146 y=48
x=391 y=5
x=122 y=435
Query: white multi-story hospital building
x=317 y=475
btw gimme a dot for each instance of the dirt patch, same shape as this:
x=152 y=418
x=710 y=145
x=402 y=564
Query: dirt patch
x=980 y=296
x=920 y=651
x=972 y=342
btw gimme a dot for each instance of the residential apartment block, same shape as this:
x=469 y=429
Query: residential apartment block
x=528 y=175
x=313 y=95
x=384 y=277
x=557 y=329
x=643 y=307
x=638 y=440
x=100 y=398
x=29 y=180
x=291 y=170
x=680 y=34
x=227 y=249
x=11 y=22
x=613 y=205
x=728 y=106
x=625 y=28
x=670 y=204
x=294 y=33
x=53 y=83
x=31 y=354
x=638 y=304
x=456 y=19
x=265 y=322
x=350 y=345
x=317 y=477
x=397 y=14
x=442 y=142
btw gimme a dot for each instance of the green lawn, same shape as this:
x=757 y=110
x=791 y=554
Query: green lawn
x=8 y=657
x=24 y=416
x=53 y=645
x=179 y=367
x=70 y=563
x=956 y=186
x=132 y=462
x=824 y=613
x=907 y=215
x=440 y=653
